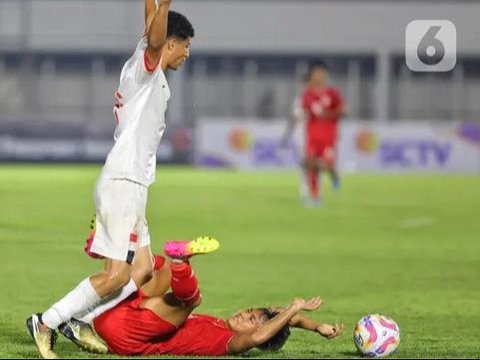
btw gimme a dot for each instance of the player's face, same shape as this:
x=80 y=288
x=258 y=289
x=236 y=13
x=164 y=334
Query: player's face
x=319 y=77
x=180 y=52
x=247 y=321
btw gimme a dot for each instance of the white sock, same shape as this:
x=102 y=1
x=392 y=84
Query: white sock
x=107 y=303
x=80 y=298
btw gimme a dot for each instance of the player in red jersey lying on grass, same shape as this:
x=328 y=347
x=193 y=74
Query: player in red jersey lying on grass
x=154 y=321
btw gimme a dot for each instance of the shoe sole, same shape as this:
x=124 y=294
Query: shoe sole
x=203 y=245
x=184 y=250
x=90 y=348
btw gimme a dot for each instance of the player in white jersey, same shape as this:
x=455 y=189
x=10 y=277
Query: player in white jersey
x=121 y=235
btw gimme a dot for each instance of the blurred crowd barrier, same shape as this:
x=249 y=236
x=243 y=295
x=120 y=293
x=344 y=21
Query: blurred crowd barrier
x=403 y=146
x=79 y=88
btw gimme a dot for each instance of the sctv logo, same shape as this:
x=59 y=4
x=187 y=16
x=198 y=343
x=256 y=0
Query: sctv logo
x=263 y=151
x=404 y=152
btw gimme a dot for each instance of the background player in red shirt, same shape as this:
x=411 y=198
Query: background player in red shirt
x=320 y=107
x=157 y=322
x=323 y=106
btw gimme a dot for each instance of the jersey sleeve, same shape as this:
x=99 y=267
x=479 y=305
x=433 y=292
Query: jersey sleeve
x=219 y=343
x=144 y=70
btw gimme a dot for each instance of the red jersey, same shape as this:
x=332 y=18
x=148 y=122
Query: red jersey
x=200 y=335
x=129 y=329
x=315 y=102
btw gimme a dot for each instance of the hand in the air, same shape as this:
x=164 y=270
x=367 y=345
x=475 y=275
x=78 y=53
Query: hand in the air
x=313 y=304
x=308 y=305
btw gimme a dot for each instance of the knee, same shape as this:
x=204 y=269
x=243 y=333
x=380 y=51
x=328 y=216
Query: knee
x=309 y=163
x=116 y=280
x=142 y=274
x=194 y=303
x=198 y=302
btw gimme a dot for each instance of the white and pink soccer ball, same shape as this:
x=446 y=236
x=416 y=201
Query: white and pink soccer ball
x=376 y=336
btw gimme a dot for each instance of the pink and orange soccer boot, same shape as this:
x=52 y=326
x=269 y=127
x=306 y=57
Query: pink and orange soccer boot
x=186 y=249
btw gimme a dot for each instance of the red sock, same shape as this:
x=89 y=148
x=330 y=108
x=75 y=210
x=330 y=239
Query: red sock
x=184 y=283
x=158 y=262
x=313 y=185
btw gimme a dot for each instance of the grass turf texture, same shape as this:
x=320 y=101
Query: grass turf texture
x=406 y=246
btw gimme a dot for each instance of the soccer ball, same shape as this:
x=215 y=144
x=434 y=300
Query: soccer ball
x=376 y=336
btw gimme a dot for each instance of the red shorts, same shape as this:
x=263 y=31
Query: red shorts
x=325 y=149
x=129 y=329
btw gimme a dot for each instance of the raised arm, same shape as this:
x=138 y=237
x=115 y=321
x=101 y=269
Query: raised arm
x=301 y=321
x=326 y=330
x=150 y=11
x=156 y=29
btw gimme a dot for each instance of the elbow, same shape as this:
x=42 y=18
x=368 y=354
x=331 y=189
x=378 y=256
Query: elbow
x=258 y=339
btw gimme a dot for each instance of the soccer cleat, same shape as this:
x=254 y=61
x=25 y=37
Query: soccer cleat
x=43 y=336
x=83 y=336
x=187 y=249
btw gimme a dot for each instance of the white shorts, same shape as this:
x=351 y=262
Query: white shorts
x=121 y=228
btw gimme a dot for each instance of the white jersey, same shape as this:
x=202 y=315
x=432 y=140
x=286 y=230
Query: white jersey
x=140 y=114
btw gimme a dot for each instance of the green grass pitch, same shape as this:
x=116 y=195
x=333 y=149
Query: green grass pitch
x=406 y=246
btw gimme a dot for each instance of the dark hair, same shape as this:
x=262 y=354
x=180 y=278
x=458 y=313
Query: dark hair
x=276 y=342
x=317 y=64
x=179 y=26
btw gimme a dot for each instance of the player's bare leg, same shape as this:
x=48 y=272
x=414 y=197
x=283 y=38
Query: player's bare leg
x=161 y=280
x=42 y=326
x=141 y=273
x=310 y=177
x=87 y=294
x=82 y=334
x=176 y=306
x=107 y=282
x=78 y=329
x=312 y=168
x=329 y=161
